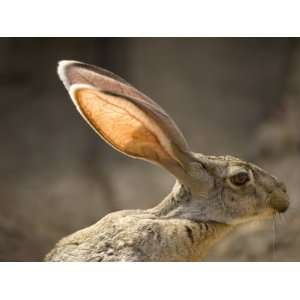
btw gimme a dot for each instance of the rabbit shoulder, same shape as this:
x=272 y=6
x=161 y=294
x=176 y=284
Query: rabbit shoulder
x=135 y=236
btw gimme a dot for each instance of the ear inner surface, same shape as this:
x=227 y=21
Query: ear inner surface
x=123 y=125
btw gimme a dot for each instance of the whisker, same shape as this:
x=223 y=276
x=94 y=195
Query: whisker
x=279 y=218
x=284 y=218
x=274 y=238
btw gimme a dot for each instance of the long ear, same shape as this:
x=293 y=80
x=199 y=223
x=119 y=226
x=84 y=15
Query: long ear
x=124 y=117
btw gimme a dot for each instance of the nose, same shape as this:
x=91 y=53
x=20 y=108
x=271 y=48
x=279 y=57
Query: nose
x=280 y=198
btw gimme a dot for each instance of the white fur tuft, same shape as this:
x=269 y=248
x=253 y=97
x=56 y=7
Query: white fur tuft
x=61 y=71
x=74 y=87
x=72 y=90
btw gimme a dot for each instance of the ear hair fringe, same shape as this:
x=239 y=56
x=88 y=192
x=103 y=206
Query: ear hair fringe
x=72 y=90
x=61 y=71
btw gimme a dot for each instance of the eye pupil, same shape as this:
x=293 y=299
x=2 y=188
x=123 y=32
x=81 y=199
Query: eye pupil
x=240 y=178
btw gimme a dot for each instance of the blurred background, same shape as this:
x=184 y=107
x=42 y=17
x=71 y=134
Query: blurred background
x=229 y=96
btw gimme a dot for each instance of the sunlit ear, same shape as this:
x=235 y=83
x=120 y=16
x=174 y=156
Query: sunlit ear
x=125 y=118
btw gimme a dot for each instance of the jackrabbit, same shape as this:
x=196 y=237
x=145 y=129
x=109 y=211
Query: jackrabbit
x=211 y=195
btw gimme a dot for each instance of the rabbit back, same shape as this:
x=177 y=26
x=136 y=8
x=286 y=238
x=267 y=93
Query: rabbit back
x=136 y=236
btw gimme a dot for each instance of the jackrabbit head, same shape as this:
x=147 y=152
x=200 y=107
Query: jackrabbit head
x=224 y=189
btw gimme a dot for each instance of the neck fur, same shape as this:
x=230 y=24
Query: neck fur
x=181 y=208
x=178 y=197
x=182 y=204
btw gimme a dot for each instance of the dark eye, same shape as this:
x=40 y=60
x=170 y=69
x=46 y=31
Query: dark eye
x=240 y=178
